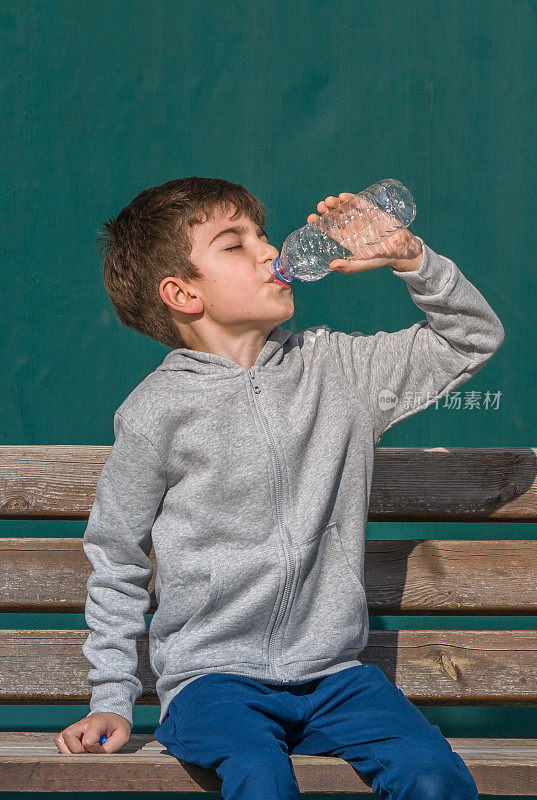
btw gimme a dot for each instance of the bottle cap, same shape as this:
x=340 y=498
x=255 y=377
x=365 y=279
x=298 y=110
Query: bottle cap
x=277 y=263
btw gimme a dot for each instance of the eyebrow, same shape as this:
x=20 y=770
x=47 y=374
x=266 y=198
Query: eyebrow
x=237 y=229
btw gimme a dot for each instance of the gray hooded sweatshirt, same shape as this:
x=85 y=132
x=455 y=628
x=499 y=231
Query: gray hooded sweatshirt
x=253 y=487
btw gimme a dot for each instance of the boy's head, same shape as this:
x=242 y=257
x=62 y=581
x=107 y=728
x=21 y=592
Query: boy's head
x=171 y=276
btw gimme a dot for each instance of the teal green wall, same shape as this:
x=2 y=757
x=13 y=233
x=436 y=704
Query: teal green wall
x=295 y=101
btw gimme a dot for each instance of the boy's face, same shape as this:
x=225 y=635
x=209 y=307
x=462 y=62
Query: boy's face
x=234 y=294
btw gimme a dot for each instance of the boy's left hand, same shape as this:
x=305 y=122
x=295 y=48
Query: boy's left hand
x=402 y=250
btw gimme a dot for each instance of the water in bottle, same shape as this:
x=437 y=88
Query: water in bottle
x=364 y=219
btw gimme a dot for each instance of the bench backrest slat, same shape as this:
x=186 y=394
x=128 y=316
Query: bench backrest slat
x=410 y=576
x=438 y=667
x=456 y=484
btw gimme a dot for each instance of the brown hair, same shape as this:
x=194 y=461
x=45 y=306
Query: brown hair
x=150 y=239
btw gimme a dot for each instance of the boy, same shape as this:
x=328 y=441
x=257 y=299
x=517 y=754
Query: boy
x=246 y=460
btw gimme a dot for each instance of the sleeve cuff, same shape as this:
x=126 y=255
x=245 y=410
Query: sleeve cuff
x=434 y=273
x=113 y=698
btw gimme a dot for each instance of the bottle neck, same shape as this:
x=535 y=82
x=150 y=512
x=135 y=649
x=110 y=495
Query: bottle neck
x=282 y=270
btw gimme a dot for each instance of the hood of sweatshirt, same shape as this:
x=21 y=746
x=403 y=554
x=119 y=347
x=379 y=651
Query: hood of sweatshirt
x=252 y=486
x=202 y=363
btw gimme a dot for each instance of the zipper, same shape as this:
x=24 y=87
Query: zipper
x=289 y=552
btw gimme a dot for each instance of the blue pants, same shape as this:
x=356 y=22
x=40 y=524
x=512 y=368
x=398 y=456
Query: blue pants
x=246 y=730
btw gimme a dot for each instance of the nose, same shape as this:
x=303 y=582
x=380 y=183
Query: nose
x=268 y=253
x=270 y=250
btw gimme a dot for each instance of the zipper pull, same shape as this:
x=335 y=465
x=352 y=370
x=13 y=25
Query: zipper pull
x=255 y=385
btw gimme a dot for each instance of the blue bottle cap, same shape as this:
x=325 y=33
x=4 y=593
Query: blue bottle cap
x=102 y=740
x=276 y=262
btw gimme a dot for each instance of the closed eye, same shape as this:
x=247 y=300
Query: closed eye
x=238 y=246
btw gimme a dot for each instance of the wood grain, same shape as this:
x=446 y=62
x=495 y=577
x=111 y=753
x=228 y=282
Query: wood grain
x=30 y=762
x=457 y=484
x=411 y=576
x=436 y=667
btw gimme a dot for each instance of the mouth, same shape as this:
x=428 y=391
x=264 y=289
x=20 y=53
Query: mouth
x=274 y=279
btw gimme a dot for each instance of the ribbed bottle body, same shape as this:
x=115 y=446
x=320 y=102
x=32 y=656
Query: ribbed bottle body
x=364 y=219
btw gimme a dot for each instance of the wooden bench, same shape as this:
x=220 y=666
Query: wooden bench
x=403 y=577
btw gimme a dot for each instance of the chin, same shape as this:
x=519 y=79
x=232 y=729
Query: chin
x=287 y=316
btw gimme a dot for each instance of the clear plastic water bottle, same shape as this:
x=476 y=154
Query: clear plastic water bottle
x=364 y=219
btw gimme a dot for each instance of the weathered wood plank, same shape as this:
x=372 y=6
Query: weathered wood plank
x=417 y=576
x=30 y=762
x=431 y=667
x=406 y=577
x=457 y=484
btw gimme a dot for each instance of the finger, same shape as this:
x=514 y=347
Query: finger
x=90 y=740
x=115 y=741
x=331 y=201
x=341 y=266
x=341 y=198
x=354 y=264
x=72 y=741
x=60 y=744
x=328 y=202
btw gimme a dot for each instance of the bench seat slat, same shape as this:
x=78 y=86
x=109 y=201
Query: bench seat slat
x=31 y=762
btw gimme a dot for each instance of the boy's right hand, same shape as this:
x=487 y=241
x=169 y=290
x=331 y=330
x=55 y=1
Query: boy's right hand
x=83 y=736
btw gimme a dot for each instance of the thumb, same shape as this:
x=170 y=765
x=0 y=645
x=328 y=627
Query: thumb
x=115 y=741
x=90 y=740
x=354 y=264
x=351 y=265
x=336 y=264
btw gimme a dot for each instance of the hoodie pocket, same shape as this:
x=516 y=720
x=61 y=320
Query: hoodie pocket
x=328 y=614
x=169 y=620
x=215 y=587
x=231 y=625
